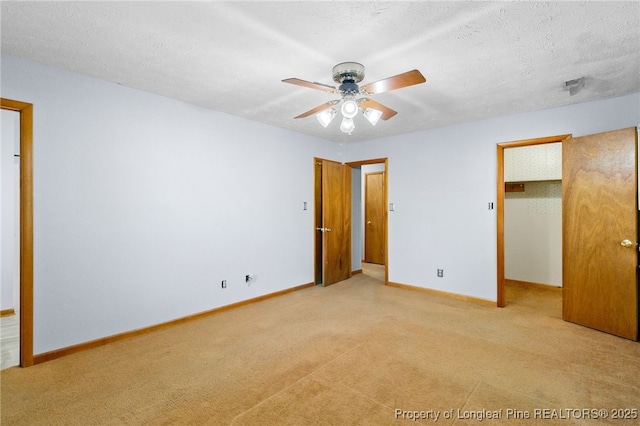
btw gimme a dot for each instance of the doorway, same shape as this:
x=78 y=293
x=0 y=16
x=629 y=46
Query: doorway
x=325 y=204
x=26 y=226
x=500 y=204
x=533 y=223
x=599 y=229
x=10 y=231
x=376 y=267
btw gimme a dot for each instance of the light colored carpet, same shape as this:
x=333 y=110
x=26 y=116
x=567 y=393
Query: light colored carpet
x=350 y=354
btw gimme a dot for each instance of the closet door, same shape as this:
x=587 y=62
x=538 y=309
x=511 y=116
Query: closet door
x=600 y=232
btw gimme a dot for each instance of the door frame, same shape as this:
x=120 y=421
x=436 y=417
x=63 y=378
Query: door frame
x=26 y=226
x=500 y=202
x=384 y=161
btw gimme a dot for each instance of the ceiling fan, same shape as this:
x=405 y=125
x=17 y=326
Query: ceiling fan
x=354 y=97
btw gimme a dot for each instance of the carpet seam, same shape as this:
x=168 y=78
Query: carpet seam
x=296 y=382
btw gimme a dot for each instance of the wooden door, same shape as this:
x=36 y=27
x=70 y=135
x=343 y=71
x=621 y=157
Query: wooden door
x=336 y=222
x=374 y=220
x=599 y=212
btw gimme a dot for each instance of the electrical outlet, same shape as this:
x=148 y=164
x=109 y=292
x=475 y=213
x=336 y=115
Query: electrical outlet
x=440 y=273
x=224 y=283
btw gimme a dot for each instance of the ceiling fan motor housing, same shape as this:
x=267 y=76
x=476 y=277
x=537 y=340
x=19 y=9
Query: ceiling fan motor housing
x=348 y=74
x=348 y=71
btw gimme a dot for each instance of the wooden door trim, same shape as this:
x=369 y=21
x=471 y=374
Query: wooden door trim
x=367 y=162
x=500 y=202
x=386 y=204
x=26 y=226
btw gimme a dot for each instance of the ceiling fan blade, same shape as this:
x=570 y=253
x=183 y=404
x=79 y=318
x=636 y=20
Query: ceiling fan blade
x=317 y=86
x=387 y=112
x=399 y=81
x=317 y=109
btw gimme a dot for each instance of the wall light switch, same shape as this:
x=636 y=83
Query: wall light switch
x=392 y=207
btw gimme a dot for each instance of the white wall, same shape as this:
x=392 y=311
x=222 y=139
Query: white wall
x=9 y=211
x=143 y=204
x=442 y=180
x=533 y=233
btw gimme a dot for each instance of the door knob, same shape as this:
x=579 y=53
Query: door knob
x=626 y=243
x=320 y=229
x=368 y=222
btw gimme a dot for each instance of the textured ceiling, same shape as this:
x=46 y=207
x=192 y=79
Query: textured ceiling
x=480 y=59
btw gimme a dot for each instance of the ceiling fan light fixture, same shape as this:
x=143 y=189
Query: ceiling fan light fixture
x=347 y=125
x=372 y=115
x=348 y=75
x=349 y=108
x=326 y=116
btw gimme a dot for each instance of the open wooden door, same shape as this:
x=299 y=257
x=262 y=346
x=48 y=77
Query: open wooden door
x=374 y=218
x=333 y=222
x=600 y=232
